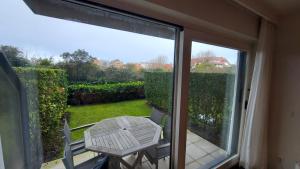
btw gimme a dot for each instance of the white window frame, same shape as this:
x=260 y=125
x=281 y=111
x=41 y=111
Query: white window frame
x=182 y=72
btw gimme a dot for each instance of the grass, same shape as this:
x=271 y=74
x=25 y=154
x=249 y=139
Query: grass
x=81 y=115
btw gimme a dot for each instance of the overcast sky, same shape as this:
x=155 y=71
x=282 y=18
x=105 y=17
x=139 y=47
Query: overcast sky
x=40 y=36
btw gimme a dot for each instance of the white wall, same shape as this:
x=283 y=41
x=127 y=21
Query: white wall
x=284 y=126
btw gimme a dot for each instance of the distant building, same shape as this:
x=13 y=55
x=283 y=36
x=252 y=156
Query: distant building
x=219 y=62
x=134 y=66
x=117 y=64
x=153 y=66
x=168 y=67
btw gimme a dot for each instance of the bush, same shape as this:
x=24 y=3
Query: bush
x=81 y=94
x=210 y=101
x=47 y=102
x=158 y=89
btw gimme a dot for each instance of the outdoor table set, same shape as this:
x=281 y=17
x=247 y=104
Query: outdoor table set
x=122 y=136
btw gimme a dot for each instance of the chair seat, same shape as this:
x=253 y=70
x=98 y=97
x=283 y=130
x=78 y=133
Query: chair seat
x=77 y=142
x=99 y=162
x=156 y=154
x=79 y=151
x=77 y=146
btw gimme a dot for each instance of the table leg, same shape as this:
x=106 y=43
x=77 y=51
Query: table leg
x=138 y=159
x=114 y=162
x=128 y=166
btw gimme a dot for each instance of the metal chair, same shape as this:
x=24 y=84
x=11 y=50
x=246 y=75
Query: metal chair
x=162 y=150
x=98 y=162
x=77 y=147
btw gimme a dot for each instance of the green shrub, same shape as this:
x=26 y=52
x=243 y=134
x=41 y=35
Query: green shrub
x=81 y=94
x=158 y=89
x=210 y=101
x=47 y=102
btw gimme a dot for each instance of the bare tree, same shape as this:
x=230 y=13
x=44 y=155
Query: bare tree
x=157 y=63
x=207 y=53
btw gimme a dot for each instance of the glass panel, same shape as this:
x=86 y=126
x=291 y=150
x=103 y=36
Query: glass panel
x=99 y=68
x=10 y=123
x=211 y=109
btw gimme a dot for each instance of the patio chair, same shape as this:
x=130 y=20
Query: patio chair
x=98 y=162
x=156 y=116
x=162 y=150
x=77 y=147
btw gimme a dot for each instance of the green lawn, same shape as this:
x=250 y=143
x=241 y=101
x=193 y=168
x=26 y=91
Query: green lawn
x=81 y=115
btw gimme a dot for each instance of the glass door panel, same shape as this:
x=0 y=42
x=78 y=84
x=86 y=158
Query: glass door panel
x=85 y=64
x=212 y=113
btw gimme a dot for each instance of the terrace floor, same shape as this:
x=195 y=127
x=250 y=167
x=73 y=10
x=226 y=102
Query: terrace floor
x=199 y=154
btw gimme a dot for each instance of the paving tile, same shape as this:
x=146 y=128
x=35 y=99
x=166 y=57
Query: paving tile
x=219 y=153
x=207 y=146
x=191 y=137
x=130 y=159
x=188 y=159
x=199 y=152
x=205 y=160
x=163 y=164
x=194 y=151
x=193 y=165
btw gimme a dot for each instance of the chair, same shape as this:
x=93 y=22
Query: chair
x=156 y=116
x=162 y=150
x=98 y=162
x=77 y=147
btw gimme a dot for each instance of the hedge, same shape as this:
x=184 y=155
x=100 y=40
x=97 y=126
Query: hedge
x=81 y=94
x=47 y=102
x=158 y=89
x=210 y=101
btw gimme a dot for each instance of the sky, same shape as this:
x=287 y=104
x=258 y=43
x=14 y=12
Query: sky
x=41 y=36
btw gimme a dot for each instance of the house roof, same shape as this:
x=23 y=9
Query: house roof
x=210 y=59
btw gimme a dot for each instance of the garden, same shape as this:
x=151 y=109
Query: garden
x=83 y=91
x=209 y=106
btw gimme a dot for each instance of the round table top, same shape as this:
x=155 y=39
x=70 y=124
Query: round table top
x=121 y=136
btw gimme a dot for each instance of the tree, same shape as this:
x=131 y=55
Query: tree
x=206 y=54
x=117 y=64
x=15 y=56
x=158 y=63
x=80 y=66
x=205 y=67
x=78 y=56
x=43 y=62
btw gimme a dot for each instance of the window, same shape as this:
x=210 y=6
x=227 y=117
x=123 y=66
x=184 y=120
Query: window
x=85 y=66
x=214 y=110
x=98 y=66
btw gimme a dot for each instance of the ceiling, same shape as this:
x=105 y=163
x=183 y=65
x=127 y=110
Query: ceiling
x=271 y=10
x=283 y=7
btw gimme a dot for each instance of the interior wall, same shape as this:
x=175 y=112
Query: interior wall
x=284 y=125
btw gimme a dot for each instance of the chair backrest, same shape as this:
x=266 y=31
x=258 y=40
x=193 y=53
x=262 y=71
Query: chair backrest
x=156 y=116
x=67 y=132
x=68 y=158
x=168 y=128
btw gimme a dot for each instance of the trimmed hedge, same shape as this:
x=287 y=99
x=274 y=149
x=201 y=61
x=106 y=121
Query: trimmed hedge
x=210 y=101
x=81 y=94
x=158 y=89
x=47 y=102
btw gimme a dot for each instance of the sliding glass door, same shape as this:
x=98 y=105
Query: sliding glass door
x=81 y=63
x=85 y=64
x=214 y=104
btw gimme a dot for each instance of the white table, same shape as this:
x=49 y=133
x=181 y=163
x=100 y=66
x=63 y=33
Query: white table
x=122 y=136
